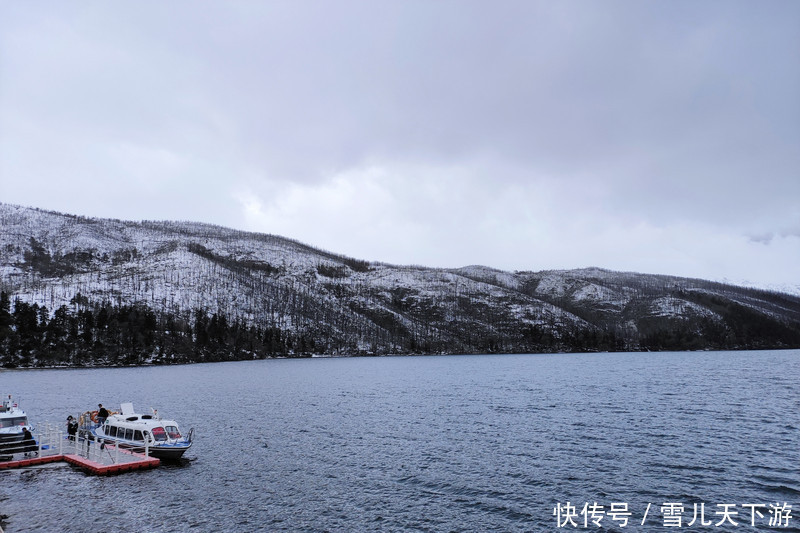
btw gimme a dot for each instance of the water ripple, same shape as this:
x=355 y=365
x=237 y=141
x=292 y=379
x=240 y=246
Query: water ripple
x=472 y=443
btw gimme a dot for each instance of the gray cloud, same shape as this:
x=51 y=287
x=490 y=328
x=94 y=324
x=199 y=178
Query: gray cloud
x=614 y=120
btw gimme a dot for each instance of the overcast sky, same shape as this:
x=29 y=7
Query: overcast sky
x=659 y=137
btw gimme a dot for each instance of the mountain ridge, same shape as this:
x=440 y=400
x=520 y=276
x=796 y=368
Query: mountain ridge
x=336 y=304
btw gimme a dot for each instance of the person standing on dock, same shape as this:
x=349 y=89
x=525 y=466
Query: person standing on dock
x=72 y=427
x=28 y=443
x=102 y=414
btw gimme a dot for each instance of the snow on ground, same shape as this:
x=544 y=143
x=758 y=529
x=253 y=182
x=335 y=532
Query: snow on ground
x=599 y=295
x=491 y=275
x=668 y=306
x=553 y=285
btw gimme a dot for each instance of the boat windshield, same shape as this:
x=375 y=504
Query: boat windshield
x=13 y=421
x=173 y=432
x=159 y=434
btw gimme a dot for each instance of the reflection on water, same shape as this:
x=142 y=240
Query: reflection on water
x=466 y=443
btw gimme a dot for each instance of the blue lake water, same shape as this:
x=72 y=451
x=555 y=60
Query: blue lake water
x=447 y=443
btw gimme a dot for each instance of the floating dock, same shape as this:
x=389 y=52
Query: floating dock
x=87 y=465
x=88 y=455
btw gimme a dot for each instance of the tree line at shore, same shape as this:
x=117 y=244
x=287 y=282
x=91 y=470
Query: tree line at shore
x=89 y=334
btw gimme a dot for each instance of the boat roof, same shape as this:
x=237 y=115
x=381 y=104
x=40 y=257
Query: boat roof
x=140 y=419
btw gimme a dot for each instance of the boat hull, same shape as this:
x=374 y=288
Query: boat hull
x=169 y=452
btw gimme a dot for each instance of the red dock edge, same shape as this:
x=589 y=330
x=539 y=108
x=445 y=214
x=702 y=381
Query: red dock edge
x=140 y=462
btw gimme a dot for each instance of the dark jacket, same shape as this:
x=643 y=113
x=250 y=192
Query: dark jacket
x=28 y=444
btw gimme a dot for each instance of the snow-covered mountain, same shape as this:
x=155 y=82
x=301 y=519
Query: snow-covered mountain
x=345 y=305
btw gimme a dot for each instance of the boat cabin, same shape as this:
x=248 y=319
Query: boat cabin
x=119 y=430
x=139 y=428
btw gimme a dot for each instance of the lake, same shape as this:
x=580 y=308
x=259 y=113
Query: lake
x=444 y=443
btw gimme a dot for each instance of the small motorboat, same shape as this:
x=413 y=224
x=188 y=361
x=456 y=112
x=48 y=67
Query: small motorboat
x=13 y=424
x=148 y=433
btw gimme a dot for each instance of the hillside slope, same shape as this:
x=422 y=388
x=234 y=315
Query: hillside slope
x=189 y=273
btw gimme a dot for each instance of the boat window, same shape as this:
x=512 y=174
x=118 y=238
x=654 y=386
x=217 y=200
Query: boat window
x=159 y=434
x=173 y=432
x=112 y=431
x=15 y=421
x=128 y=434
x=137 y=435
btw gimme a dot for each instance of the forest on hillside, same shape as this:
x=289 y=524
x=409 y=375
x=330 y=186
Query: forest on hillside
x=88 y=333
x=91 y=334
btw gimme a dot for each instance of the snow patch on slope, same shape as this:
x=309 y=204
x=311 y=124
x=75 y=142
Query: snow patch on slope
x=668 y=306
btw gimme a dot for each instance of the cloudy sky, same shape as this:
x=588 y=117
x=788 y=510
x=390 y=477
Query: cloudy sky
x=660 y=137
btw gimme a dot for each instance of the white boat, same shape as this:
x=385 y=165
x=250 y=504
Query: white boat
x=13 y=423
x=149 y=433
